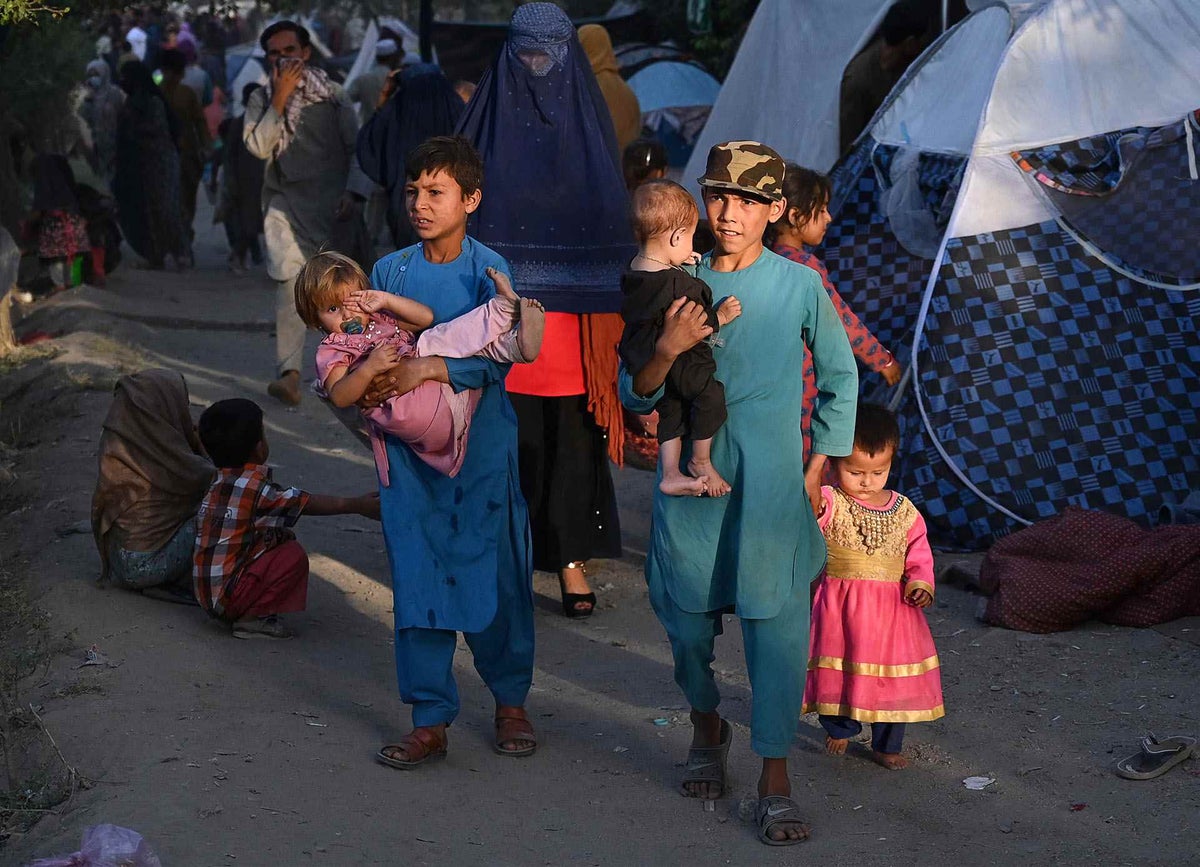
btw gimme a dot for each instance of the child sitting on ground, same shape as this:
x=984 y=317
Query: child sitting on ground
x=871 y=654
x=367 y=332
x=247 y=567
x=693 y=404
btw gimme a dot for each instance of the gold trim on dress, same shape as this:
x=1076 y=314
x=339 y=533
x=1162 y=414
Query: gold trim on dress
x=874 y=669
x=852 y=565
x=875 y=716
x=922 y=585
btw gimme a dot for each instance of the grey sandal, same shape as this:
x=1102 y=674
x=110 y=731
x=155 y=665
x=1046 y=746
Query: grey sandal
x=1156 y=757
x=775 y=810
x=707 y=764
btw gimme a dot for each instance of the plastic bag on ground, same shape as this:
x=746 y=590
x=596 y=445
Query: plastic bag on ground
x=106 y=846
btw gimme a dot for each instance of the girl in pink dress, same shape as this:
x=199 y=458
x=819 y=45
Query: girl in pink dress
x=871 y=654
x=367 y=332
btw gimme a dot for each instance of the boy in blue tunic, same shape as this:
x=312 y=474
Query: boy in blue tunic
x=755 y=551
x=458 y=547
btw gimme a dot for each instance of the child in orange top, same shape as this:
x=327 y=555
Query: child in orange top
x=871 y=654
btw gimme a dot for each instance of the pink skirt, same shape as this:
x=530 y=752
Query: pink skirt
x=432 y=420
x=871 y=656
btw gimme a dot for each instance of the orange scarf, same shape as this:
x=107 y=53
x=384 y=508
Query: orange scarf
x=601 y=332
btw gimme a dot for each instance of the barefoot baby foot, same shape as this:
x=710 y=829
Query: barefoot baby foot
x=836 y=746
x=682 y=486
x=530 y=328
x=504 y=287
x=891 y=761
x=717 y=486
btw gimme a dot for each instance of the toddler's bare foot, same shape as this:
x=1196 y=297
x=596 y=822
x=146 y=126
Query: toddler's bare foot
x=717 y=486
x=531 y=327
x=836 y=746
x=891 y=761
x=679 y=485
x=504 y=287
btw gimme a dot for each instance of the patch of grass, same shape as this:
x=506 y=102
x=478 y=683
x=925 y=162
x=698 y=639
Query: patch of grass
x=35 y=778
x=22 y=355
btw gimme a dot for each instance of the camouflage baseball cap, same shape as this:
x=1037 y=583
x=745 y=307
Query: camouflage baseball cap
x=745 y=166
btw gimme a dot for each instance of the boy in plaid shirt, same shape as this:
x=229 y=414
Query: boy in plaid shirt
x=247 y=565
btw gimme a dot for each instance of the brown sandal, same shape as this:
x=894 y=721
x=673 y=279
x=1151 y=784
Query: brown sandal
x=513 y=725
x=420 y=745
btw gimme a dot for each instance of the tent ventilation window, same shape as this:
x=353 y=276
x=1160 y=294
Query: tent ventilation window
x=1130 y=197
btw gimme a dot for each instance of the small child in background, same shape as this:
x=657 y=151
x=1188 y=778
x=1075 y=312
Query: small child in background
x=693 y=404
x=248 y=567
x=367 y=332
x=871 y=654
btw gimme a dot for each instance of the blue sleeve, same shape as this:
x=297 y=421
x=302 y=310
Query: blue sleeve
x=634 y=402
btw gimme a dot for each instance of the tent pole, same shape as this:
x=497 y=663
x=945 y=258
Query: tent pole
x=945 y=14
x=425 y=30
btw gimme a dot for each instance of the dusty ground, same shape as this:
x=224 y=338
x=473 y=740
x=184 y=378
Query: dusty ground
x=224 y=752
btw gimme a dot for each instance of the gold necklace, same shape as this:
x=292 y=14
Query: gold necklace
x=874 y=526
x=659 y=261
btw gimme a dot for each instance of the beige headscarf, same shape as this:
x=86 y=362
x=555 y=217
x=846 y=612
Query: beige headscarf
x=152 y=475
x=621 y=100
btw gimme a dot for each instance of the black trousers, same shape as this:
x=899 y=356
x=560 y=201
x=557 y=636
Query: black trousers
x=566 y=481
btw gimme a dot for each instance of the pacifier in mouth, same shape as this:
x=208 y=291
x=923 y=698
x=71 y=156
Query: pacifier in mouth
x=352 y=326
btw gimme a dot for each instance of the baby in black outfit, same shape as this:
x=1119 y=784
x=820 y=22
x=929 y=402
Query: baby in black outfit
x=693 y=402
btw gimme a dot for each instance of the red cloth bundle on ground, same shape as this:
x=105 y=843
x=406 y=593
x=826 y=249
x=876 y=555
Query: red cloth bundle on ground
x=1082 y=565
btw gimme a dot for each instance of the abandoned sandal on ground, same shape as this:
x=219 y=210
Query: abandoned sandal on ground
x=1156 y=757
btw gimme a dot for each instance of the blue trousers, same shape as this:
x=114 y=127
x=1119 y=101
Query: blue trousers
x=776 y=659
x=885 y=737
x=503 y=655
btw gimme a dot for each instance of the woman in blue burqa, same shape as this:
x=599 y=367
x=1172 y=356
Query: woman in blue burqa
x=416 y=104
x=555 y=207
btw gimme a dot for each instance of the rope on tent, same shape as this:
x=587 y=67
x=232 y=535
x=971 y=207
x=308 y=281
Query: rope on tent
x=1191 y=149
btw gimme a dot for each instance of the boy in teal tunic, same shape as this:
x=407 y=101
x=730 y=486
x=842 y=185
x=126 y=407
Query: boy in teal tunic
x=756 y=551
x=459 y=547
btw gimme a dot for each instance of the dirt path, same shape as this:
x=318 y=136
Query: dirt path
x=224 y=752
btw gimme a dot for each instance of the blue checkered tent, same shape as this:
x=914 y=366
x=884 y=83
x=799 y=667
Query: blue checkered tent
x=1053 y=347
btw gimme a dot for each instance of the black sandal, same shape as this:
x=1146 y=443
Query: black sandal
x=570 y=600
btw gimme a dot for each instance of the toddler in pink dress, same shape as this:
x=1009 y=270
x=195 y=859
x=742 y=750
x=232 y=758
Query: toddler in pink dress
x=871 y=654
x=367 y=332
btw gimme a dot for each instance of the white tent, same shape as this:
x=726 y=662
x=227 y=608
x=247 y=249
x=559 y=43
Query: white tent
x=1056 y=346
x=784 y=84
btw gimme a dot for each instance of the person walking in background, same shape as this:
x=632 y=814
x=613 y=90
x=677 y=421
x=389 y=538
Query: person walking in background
x=414 y=105
x=239 y=201
x=193 y=139
x=146 y=184
x=622 y=102
x=305 y=127
x=556 y=208
x=55 y=227
x=371 y=90
x=101 y=110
